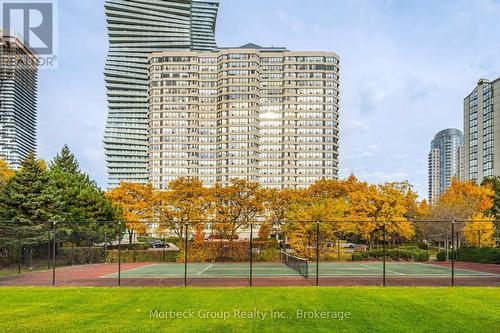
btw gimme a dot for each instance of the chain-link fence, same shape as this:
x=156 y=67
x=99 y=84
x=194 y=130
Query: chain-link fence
x=250 y=253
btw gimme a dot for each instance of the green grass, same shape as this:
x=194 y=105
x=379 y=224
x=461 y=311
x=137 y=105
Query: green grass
x=372 y=309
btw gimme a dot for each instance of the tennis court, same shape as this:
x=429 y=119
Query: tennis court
x=269 y=270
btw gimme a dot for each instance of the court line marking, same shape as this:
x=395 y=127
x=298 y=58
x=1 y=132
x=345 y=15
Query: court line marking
x=128 y=270
x=381 y=269
x=206 y=268
x=457 y=269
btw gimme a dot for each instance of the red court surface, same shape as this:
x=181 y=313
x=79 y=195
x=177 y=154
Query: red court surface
x=105 y=275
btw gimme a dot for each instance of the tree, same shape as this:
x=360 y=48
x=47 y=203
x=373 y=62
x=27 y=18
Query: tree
x=481 y=231
x=65 y=161
x=461 y=201
x=276 y=204
x=25 y=197
x=79 y=199
x=305 y=214
x=5 y=173
x=26 y=205
x=137 y=203
x=185 y=201
x=236 y=205
x=494 y=184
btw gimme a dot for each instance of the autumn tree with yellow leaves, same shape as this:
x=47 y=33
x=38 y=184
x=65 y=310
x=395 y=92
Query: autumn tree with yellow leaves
x=480 y=231
x=463 y=200
x=185 y=201
x=5 y=173
x=236 y=205
x=137 y=203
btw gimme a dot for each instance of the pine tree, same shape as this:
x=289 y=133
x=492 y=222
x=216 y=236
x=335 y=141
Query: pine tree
x=26 y=206
x=25 y=197
x=80 y=204
x=65 y=161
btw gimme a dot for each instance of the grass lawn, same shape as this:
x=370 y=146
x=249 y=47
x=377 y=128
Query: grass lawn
x=371 y=309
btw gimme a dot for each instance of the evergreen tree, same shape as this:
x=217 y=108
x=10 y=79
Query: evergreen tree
x=25 y=197
x=26 y=206
x=80 y=204
x=65 y=161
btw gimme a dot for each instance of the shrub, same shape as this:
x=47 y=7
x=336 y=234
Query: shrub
x=80 y=255
x=142 y=256
x=441 y=256
x=134 y=246
x=227 y=251
x=402 y=254
x=485 y=255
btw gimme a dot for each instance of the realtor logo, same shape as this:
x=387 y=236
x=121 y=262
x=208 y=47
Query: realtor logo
x=34 y=22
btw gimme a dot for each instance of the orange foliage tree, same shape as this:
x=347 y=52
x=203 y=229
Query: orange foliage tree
x=236 y=205
x=481 y=231
x=137 y=203
x=461 y=201
x=186 y=202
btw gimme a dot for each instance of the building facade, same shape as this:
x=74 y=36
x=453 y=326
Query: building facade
x=18 y=100
x=482 y=131
x=445 y=161
x=263 y=114
x=136 y=29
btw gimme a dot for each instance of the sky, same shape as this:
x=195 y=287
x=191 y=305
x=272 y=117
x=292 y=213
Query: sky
x=406 y=66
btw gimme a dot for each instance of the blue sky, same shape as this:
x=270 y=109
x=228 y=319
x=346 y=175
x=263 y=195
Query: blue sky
x=405 y=68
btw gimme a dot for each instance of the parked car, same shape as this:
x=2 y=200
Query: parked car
x=157 y=244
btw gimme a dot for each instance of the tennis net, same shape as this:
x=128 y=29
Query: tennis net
x=298 y=264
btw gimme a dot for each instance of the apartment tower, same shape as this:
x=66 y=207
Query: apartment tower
x=137 y=28
x=18 y=100
x=482 y=131
x=445 y=161
x=263 y=114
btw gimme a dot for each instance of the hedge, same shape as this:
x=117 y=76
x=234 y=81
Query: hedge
x=402 y=254
x=81 y=255
x=133 y=246
x=142 y=256
x=485 y=255
x=230 y=251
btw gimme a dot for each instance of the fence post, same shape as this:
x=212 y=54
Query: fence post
x=19 y=250
x=185 y=254
x=317 y=253
x=163 y=248
x=54 y=255
x=72 y=241
x=251 y=254
x=446 y=249
x=120 y=254
x=48 y=249
x=105 y=245
x=452 y=253
x=384 y=251
x=338 y=249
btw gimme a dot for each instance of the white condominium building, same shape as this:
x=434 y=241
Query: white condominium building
x=136 y=28
x=263 y=114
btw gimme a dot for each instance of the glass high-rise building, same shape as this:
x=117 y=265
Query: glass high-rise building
x=137 y=28
x=482 y=131
x=263 y=114
x=445 y=161
x=18 y=100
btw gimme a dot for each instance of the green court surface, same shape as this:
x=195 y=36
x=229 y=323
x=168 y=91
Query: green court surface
x=267 y=270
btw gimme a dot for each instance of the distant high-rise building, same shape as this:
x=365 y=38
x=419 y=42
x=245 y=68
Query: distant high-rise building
x=18 y=100
x=263 y=114
x=136 y=29
x=482 y=131
x=445 y=161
